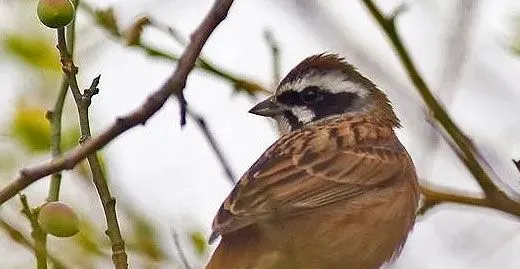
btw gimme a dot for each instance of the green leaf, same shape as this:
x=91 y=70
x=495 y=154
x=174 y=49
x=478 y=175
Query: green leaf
x=199 y=242
x=33 y=50
x=30 y=127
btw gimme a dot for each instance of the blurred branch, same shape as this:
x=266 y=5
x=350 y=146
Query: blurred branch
x=275 y=55
x=132 y=37
x=39 y=236
x=181 y=253
x=83 y=101
x=54 y=117
x=56 y=113
x=201 y=122
x=139 y=116
x=469 y=155
x=18 y=237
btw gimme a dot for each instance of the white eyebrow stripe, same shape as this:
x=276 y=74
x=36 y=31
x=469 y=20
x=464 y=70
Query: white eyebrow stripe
x=335 y=82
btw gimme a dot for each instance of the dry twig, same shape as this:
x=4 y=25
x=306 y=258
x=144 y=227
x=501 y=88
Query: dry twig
x=174 y=84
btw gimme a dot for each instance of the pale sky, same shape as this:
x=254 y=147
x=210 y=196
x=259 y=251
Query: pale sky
x=173 y=174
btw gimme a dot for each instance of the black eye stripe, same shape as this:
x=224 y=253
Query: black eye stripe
x=290 y=98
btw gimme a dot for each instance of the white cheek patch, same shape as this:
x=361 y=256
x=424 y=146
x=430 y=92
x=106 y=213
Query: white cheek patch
x=304 y=114
x=334 y=82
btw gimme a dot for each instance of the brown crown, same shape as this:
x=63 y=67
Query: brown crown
x=326 y=62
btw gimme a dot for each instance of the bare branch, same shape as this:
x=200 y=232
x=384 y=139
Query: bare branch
x=83 y=101
x=201 y=122
x=275 y=55
x=39 y=236
x=175 y=83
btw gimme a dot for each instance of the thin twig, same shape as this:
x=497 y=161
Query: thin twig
x=19 y=238
x=469 y=152
x=83 y=101
x=178 y=246
x=39 y=236
x=199 y=119
x=55 y=116
x=201 y=122
x=139 y=116
x=275 y=55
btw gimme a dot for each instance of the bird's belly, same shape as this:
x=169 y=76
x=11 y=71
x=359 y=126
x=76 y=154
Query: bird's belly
x=365 y=238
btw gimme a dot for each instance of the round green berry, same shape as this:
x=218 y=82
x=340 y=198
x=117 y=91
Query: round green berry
x=58 y=219
x=55 y=13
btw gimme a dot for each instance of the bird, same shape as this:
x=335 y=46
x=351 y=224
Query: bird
x=337 y=190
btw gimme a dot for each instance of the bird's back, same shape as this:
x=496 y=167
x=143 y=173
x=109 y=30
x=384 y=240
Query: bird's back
x=354 y=203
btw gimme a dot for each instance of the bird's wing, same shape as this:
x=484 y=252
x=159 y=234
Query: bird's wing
x=295 y=175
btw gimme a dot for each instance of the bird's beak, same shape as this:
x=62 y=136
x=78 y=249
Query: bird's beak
x=267 y=108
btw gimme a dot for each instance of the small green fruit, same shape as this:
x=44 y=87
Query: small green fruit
x=55 y=13
x=58 y=219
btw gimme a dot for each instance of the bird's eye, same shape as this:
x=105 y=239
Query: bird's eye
x=311 y=94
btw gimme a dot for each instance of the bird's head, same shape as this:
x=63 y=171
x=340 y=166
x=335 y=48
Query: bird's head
x=324 y=86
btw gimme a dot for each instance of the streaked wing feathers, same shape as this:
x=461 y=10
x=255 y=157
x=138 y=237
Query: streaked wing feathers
x=290 y=179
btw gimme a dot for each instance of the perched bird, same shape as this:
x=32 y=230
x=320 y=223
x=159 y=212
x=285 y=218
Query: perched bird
x=336 y=191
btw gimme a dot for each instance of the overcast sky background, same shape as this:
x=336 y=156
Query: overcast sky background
x=173 y=175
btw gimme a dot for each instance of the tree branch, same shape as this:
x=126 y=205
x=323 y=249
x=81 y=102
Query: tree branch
x=54 y=117
x=140 y=115
x=201 y=122
x=39 y=236
x=469 y=154
x=83 y=101
x=275 y=55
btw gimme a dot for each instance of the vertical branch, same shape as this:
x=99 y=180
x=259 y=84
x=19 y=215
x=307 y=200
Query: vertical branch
x=55 y=117
x=83 y=100
x=56 y=114
x=275 y=55
x=39 y=236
